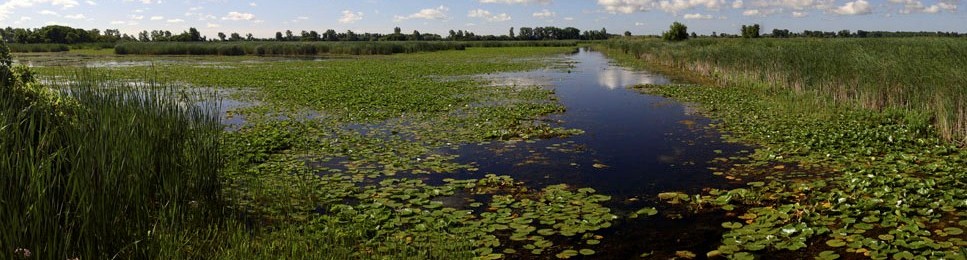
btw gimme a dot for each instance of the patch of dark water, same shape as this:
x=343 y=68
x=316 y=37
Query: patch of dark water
x=634 y=147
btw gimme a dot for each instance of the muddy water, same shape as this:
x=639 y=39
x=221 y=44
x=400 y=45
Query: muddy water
x=635 y=146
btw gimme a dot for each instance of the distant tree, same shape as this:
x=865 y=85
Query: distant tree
x=249 y=37
x=676 y=32
x=289 y=36
x=694 y=35
x=278 y=36
x=843 y=33
x=235 y=37
x=194 y=35
x=417 y=36
x=511 y=33
x=144 y=36
x=221 y=36
x=330 y=35
x=397 y=30
x=627 y=33
x=750 y=31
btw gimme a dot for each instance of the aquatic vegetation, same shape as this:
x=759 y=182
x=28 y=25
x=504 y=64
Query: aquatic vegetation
x=924 y=76
x=103 y=170
x=880 y=187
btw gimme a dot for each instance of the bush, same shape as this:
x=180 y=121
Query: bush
x=676 y=32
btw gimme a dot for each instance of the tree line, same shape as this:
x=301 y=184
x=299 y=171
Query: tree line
x=67 y=35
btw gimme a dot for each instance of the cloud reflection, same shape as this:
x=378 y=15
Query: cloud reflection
x=614 y=77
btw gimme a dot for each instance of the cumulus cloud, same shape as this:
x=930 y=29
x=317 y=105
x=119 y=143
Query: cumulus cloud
x=175 y=21
x=350 y=16
x=671 y=6
x=10 y=6
x=799 y=14
x=75 y=16
x=913 y=6
x=89 y=2
x=515 y=1
x=157 y=18
x=737 y=4
x=439 y=13
x=213 y=25
x=48 y=12
x=697 y=16
x=237 y=16
x=854 y=8
x=481 y=13
x=544 y=14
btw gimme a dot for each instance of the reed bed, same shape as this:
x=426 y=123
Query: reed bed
x=39 y=47
x=922 y=75
x=313 y=48
x=98 y=169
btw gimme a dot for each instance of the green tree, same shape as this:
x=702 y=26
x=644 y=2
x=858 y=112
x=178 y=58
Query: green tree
x=221 y=36
x=676 y=32
x=750 y=31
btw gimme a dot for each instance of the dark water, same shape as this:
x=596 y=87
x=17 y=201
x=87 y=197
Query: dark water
x=635 y=146
x=642 y=144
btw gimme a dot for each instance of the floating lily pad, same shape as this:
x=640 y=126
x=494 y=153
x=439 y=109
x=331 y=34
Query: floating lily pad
x=836 y=243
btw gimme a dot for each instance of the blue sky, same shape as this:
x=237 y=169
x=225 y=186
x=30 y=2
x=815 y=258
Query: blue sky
x=263 y=18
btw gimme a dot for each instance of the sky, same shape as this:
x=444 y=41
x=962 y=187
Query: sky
x=265 y=17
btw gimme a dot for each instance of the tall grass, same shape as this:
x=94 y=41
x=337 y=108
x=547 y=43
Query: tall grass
x=311 y=48
x=98 y=169
x=924 y=75
x=39 y=47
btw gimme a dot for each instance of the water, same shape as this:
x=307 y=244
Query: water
x=635 y=146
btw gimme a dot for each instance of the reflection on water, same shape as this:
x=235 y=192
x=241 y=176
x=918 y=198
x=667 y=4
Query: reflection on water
x=614 y=77
x=635 y=146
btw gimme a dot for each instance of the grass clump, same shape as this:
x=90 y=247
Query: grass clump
x=95 y=169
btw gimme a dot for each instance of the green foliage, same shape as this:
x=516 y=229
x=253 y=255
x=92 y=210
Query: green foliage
x=750 y=31
x=676 y=32
x=102 y=170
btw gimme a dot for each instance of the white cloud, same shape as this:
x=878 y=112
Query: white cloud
x=237 y=16
x=737 y=4
x=213 y=25
x=117 y=22
x=854 y=8
x=912 y=6
x=48 y=12
x=145 y=1
x=11 y=6
x=137 y=17
x=481 y=13
x=674 y=6
x=175 y=21
x=350 y=16
x=89 y=2
x=627 y=6
x=439 y=13
x=569 y=18
x=799 y=14
x=751 y=12
x=252 y=4
x=544 y=14
x=75 y=16
x=515 y=1
x=639 y=24
x=157 y=18
x=698 y=16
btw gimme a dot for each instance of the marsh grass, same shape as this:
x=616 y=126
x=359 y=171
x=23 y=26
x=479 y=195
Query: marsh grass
x=312 y=48
x=39 y=47
x=923 y=75
x=95 y=168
